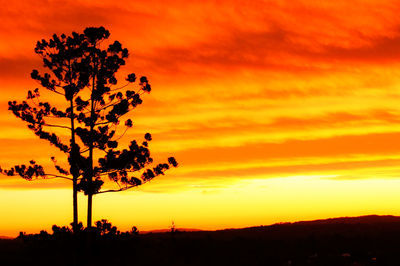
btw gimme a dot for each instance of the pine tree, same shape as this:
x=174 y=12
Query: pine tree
x=84 y=74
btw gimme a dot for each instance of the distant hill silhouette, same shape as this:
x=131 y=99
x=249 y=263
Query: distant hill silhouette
x=366 y=219
x=349 y=241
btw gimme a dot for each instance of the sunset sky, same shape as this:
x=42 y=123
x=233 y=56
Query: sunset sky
x=276 y=111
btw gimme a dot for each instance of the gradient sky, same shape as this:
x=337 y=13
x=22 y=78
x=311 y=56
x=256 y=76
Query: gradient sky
x=275 y=110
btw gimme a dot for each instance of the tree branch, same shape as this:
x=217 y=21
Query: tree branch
x=51 y=176
x=116 y=190
x=59 y=126
x=46 y=176
x=121 y=87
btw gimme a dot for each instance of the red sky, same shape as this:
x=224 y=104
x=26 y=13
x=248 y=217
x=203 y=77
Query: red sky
x=275 y=110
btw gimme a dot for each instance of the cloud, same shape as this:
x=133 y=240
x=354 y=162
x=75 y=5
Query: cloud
x=380 y=50
x=17 y=68
x=383 y=144
x=26 y=22
x=341 y=169
x=239 y=129
x=270 y=51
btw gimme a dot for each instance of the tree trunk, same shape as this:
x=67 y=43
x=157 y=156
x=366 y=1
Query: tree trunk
x=74 y=171
x=75 y=202
x=89 y=211
x=90 y=176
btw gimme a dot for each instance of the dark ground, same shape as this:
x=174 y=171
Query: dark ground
x=368 y=240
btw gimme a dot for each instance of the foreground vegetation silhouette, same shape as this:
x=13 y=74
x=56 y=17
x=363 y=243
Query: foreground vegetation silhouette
x=371 y=240
x=83 y=74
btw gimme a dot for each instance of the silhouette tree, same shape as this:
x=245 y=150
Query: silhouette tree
x=84 y=74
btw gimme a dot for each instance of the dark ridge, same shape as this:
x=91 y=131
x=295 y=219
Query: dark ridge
x=367 y=219
x=359 y=220
x=348 y=241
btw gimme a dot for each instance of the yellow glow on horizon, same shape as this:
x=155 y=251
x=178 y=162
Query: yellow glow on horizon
x=245 y=203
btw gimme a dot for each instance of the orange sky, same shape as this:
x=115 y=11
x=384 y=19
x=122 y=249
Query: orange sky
x=275 y=110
